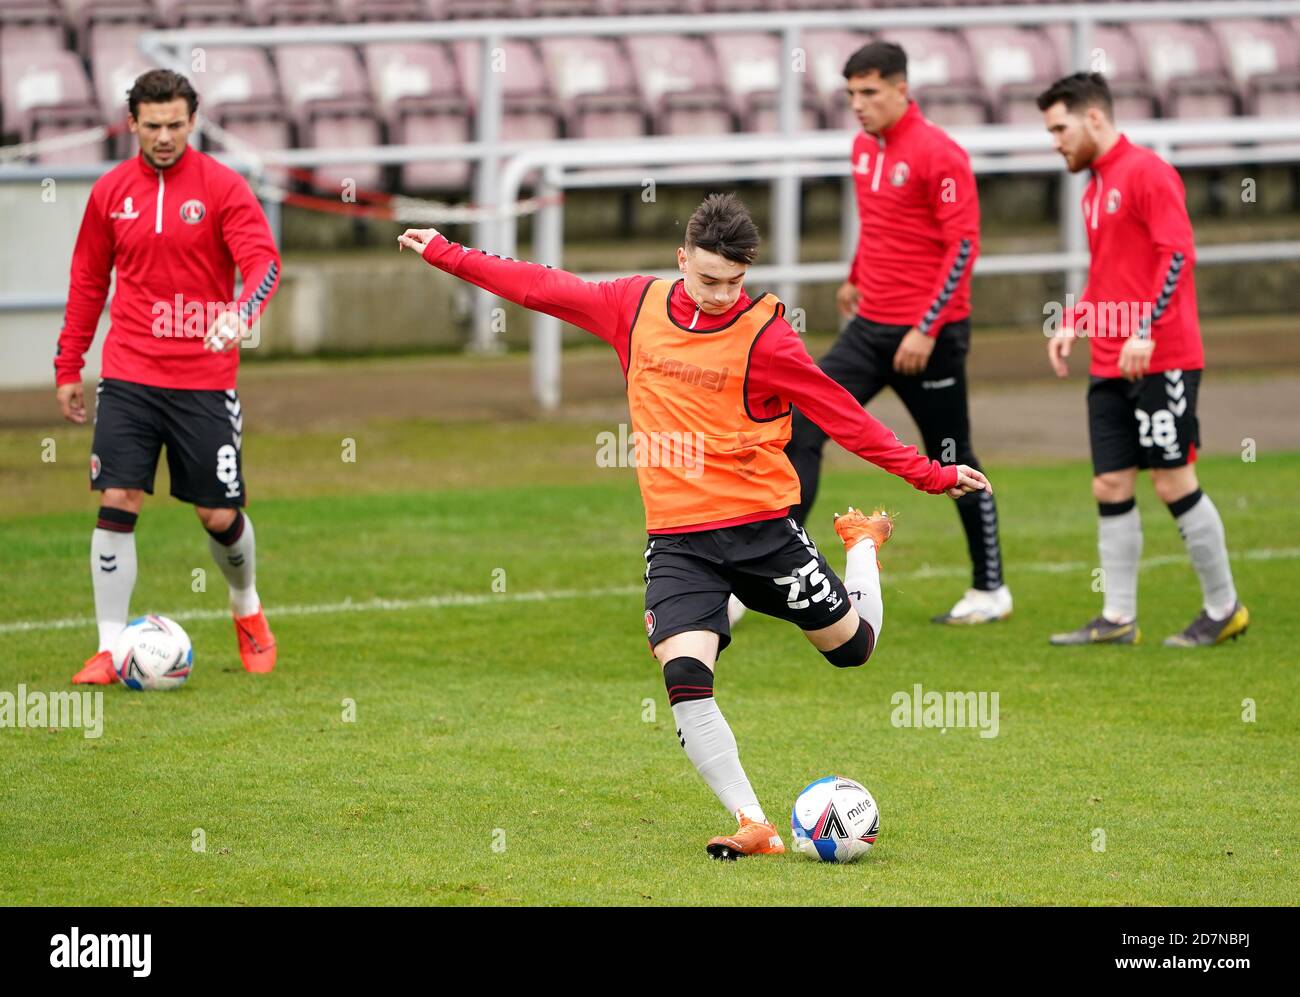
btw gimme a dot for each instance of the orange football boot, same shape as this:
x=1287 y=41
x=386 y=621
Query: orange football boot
x=256 y=642
x=752 y=838
x=98 y=670
x=855 y=525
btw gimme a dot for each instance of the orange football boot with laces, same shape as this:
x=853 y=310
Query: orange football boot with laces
x=256 y=642
x=98 y=670
x=855 y=525
x=751 y=838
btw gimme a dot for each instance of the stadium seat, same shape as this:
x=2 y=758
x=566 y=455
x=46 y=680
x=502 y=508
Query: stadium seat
x=1184 y=64
x=174 y=13
x=751 y=72
x=418 y=93
x=638 y=7
x=941 y=76
x=23 y=36
x=264 y=12
x=1263 y=57
x=682 y=85
x=380 y=10
x=461 y=9
x=828 y=51
x=593 y=80
x=327 y=95
x=564 y=8
x=738 y=6
x=821 y=4
x=114 y=68
x=528 y=108
x=45 y=94
x=81 y=13
x=1117 y=58
x=238 y=91
x=1015 y=65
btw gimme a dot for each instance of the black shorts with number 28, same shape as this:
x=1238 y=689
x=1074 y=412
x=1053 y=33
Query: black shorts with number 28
x=1148 y=423
x=772 y=566
x=202 y=431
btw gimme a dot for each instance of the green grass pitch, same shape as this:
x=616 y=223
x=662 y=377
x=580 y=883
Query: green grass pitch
x=513 y=748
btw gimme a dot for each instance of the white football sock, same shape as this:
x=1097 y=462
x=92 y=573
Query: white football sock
x=1202 y=531
x=862 y=579
x=112 y=573
x=711 y=747
x=237 y=562
x=1119 y=542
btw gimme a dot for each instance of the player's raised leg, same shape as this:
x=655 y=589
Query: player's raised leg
x=1222 y=616
x=113 y=572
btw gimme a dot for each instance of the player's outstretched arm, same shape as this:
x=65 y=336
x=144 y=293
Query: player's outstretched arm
x=781 y=365
x=597 y=307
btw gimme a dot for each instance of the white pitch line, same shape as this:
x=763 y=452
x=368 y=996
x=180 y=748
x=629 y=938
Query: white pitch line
x=380 y=605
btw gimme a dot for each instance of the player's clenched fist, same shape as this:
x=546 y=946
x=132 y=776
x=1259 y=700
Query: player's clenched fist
x=227 y=329
x=416 y=238
x=72 y=402
x=969 y=480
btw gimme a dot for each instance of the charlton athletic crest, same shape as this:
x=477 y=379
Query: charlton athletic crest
x=192 y=212
x=900 y=175
x=94 y=466
x=649 y=623
x=1112 y=201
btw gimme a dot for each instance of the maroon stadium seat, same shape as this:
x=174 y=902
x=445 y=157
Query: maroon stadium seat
x=1015 y=65
x=45 y=94
x=751 y=73
x=238 y=90
x=821 y=4
x=418 y=93
x=327 y=94
x=1113 y=52
x=114 y=68
x=682 y=85
x=565 y=8
x=21 y=36
x=460 y=9
x=828 y=51
x=290 y=11
x=593 y=80
x=631 y=7
x=738 y=7
x=79 y=13
x=1184 y=64
x=528 y=109
x=380 y=10
x=1263 y=57
x=174 y=13
x=941 y=76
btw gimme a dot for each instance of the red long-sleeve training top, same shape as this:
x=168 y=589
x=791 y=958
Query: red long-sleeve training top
x=1142 y=255
x=780 y=373
x=175 y=237
x=919 y=214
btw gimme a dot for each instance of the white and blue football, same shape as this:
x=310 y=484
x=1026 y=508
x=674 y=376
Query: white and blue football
x=153 y=652
x=834 y=820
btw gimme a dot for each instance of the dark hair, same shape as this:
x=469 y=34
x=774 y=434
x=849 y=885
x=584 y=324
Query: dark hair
x=721 y=224
x=1077 y=92
x=885 y=58
x=159 y=86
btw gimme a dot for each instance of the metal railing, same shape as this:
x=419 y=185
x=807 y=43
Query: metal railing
x=500 y=164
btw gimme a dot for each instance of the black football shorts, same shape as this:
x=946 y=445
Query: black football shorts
x=202 y=431
x=772 y=566
x=1147 y=423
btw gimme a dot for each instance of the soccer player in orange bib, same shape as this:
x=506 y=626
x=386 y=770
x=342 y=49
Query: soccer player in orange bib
x=711 y=377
